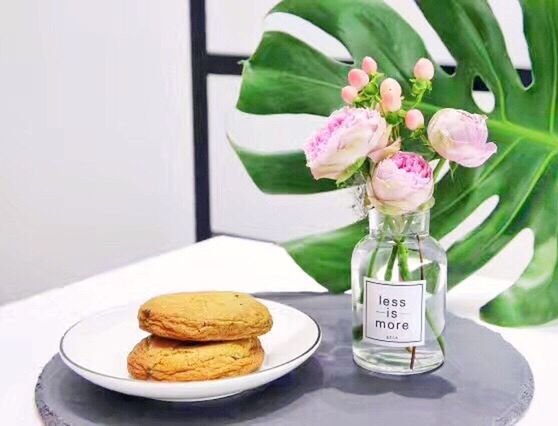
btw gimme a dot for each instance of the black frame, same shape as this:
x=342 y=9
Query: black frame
x=204 y=64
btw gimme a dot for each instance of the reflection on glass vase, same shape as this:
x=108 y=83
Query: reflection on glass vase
x=398 y=276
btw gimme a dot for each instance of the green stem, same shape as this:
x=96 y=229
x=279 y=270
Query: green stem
x=375 y=254
x=429 y=319
x=438 y=168
x=391 y=262
x=370 y=269
x=400 y=249
x=436 y=332
x=391 y=223
x=372 y=261
x=418 y=100
x=405 y=276
x=403 y=252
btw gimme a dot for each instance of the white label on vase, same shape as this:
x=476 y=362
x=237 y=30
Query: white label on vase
x=394 y=312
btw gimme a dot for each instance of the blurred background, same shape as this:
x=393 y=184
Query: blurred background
x=113 y=118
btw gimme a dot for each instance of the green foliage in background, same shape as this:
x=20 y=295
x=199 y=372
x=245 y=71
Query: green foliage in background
x=285 y=75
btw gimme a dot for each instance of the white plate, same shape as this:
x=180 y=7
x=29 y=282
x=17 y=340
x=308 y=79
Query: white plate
x=96 y=348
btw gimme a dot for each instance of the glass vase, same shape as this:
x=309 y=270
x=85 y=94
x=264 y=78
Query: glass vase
x=398 y=278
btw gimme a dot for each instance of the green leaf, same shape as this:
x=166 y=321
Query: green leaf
x=326 y=256
x=286 y=76
x=350 y=171
x=430 y=273
x=281 y=173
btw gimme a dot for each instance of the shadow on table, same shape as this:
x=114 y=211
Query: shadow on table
x=100 y=406
x=336 y=358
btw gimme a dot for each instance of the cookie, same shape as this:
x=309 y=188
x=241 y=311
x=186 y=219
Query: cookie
x=206 y=316
x=157 y=358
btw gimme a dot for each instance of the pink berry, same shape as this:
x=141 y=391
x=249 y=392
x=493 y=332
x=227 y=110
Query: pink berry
x=414 y=119
x=349 y=94
x=391 y=103
x=390 y=86
x=369 y=65
x=424 y=69
x=358 y=79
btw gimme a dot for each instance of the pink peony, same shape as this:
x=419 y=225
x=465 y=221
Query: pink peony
x=401 y=183
x=461 y=137
x=349 y=136
x=388 y=151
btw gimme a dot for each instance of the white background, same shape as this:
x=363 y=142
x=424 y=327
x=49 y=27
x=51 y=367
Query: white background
x=96 y=137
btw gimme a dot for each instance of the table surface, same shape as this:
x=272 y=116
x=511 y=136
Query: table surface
x=30 y=329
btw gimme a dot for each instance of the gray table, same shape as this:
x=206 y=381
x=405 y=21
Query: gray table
x=485 y=381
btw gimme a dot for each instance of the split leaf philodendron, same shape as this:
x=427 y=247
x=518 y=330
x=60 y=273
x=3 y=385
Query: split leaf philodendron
x=285 y=75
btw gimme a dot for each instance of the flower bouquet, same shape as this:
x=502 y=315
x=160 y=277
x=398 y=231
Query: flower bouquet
x=398 y=271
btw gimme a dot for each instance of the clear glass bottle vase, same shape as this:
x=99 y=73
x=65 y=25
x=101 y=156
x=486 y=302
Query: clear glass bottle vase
x=398 y=278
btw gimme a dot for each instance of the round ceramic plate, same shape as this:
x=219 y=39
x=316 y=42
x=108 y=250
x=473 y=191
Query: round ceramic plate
x=96 y=348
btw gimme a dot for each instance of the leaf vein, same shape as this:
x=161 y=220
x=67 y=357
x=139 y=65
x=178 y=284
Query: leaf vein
x=555 y=75
x=478 y=182
x=540 y=171
x=486 y=57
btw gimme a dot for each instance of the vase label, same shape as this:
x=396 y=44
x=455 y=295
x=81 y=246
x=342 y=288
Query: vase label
x=394 y=312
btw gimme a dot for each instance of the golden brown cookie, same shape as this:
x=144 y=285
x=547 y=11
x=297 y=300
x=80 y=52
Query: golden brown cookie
x=207 y=316
x=157 y=358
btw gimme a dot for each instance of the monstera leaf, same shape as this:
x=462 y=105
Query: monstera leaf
x=285 y=75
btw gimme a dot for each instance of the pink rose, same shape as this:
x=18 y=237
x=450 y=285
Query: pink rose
x=388 y=151
x=349 y=136
x=401 y=183
x=461 y=137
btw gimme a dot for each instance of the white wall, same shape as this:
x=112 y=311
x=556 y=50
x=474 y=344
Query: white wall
x=238 y=207
x=95 y=137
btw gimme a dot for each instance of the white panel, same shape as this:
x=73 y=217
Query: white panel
x=304 y=30
x=485 y=100
x=409 y=10
x=95 y=124
x=235 y=28
x=237 y=205
x=510 y=17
